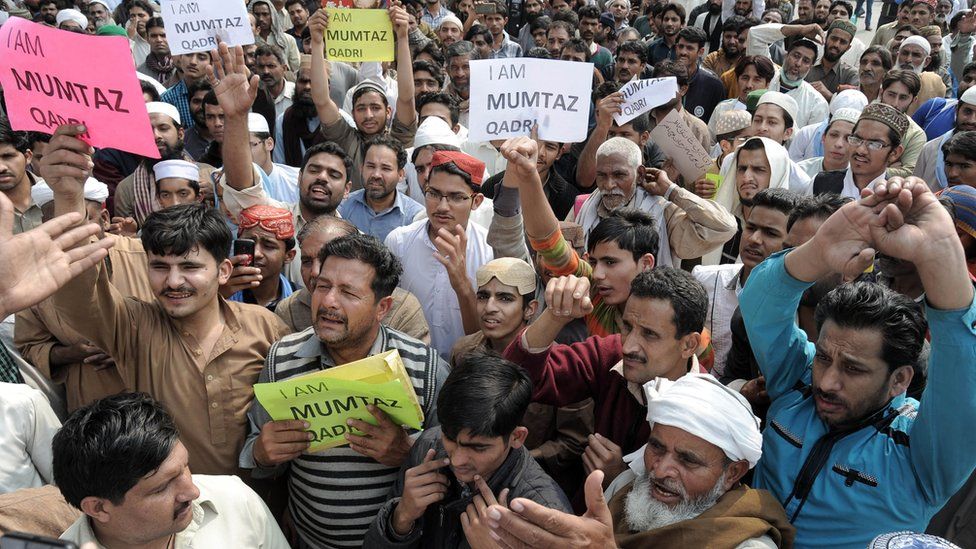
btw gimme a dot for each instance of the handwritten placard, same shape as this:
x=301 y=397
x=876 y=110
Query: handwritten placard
x=196 y=25
x=680 y=145
x=509 y=96
x=48 y=80
x=641 y=96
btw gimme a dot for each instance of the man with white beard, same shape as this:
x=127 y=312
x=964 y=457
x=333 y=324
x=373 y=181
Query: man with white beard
x=686 y=490
x=914 y=55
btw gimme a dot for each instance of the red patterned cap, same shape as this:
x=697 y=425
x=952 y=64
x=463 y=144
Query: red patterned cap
x=269 y=218
x=465 y=162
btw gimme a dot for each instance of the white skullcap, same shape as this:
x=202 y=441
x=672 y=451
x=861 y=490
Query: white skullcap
x=969 y=96
x=257 y=123
x=102 y=2
x=916 y=41
x=779 y=99
x=159 y=107
x=434 y=131
x=701 y=406
x=176 y=168
x=71 y=15
x=451 y=19
x=95 y=190
x=845 y=115
x=848 y=99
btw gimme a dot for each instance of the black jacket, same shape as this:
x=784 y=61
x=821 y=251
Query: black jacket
x=440 y=527
x=560 y=194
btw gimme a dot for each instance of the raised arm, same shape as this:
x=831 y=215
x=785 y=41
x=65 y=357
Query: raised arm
x=235 y=89
x=695 y=225
x=326 y=108
x=406 y=110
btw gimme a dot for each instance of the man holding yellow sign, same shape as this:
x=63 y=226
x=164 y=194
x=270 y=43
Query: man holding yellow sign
x=343 y=429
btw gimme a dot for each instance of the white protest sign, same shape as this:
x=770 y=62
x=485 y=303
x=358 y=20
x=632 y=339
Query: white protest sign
x=680 y=145
x=641 y=96
x=509 y=96
x=195 y=25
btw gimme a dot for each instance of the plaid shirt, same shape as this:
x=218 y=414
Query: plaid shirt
x=178 y=97
x=434 y=20
x=507 y=50
x=9 y=372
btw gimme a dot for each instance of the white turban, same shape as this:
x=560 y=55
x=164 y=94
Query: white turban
x=159 y=107
x=916 y=41
x=95 y=190
x=701 y=406
x=71 y=15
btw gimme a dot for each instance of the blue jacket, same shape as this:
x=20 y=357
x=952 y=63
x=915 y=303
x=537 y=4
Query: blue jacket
x=896 y=470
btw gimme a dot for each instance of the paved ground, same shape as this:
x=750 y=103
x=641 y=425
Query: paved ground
x=864 y=35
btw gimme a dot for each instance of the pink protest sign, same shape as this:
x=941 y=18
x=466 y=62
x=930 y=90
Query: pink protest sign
x=52 y=77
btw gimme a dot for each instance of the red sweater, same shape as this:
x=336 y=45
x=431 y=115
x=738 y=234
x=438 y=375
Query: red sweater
x=565 y=374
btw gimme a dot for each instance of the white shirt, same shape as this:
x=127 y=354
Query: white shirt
x=487 y=153
x=227 y=514
x=427 y=279
x=723 y=284
x=811 y=106
x=853 y=55
x=802 y=143
x=851 y=190
x=27 y=426
x=283 y=101
x=282 y=183
x=812 y=166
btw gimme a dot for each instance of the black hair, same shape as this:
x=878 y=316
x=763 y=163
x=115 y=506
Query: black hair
x=764 y=67
x=432 y=49
x=195 y=185
x=630 y=229
x=579 y=46
x=733 y=24
x=568 y=16
x=971 y=66
x=565 y=25
x=390 y=143
x=149 y=88
x=676 y=8
x=634 y=47
x=155 y=22
x=694 y=35
x=434 y=70
x=452 y=169
x=434 y=147
x=485 y=395
x=589 y=12
x=844 y=4
x=459 y=48
x=145 y=6
x=535 y=52
x=541 y=22
x=478 y=30
x=265 y=50
x=886 y=61
x=820 y=206
x=328 y=147
x=865 y=305
x=106 y=447
x=369 y=250
x=677 y=69
x=685 y=293
x=781 y=200
x=290 y=2
x=604 y=89
x=961 y=143
x=197 y=86
x=910 y=79
x=211 y=99
x=369 y=89
x=178 y=229
x=441 y=98
x=18 y=140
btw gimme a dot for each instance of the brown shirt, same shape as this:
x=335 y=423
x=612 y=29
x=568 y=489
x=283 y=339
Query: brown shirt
x=208 y=396
x=42 y=511
x=405 y=314
x=38 y=329
x=351 y=141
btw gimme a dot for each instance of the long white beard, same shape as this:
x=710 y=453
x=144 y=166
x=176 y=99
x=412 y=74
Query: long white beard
x=644 y=513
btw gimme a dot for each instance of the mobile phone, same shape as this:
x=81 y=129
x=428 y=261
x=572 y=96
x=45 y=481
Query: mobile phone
x=484 y=8
x=20 y=540
x=244 y=246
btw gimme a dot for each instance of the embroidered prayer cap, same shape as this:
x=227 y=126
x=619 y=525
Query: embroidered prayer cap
x=887 y=115
x=848 y=99
x=969 y=96
x=844 y=25
x=964 y=200
x=732 y=121
x=783 y=101
x=930 y=30
x=306 y=62
x=453 y=20
x=916 y=41
x=752 y=100
x=257 y=123
x=71 y=15
x=509 y=271
x=910 y=540
x=930 y=3
x=274 y=220
x=701 y=406
x=845 y=115
x=176 y=168
x=465 y=162
x=160 y=107
x=95 y=191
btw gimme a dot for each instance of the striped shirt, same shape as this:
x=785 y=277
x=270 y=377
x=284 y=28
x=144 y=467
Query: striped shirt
x=335 y=494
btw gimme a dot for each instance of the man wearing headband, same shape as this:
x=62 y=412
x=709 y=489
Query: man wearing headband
x=844 y=395
x=446 y=249
x=371 y=110
x=932 y=163
x=686 y=491
x=45 y=339
x=135 y=196
x=832 y=72
x=876 y=142
x=273 y=233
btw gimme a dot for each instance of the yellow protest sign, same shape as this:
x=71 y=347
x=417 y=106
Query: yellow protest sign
x=359 y=35
x=326 y=399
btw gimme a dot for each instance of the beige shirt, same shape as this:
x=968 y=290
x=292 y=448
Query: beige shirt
x=39 y=328
x=208 y=395
x=227 y=514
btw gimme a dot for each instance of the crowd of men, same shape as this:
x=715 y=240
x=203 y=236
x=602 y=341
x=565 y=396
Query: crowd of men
x=607 y=353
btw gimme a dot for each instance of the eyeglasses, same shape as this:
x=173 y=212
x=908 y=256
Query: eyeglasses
x=871 y=144
x=436 y=196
